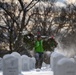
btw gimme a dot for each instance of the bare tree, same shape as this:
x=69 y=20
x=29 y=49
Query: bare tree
x=16 y=17
x=56 y=21
x=42 y=18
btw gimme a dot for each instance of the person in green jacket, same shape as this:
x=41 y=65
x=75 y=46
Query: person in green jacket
x=39 y=51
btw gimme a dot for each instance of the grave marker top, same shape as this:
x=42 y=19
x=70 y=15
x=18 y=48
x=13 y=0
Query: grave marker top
x=10 y=65
x=66 y=66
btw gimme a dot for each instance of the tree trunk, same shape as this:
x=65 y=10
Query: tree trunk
x=19 y=42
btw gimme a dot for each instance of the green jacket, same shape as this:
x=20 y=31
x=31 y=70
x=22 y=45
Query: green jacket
x=39 y=46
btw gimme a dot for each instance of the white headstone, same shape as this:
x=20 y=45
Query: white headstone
x=10 y=65
x=25 y=63
x=44 y=64
x=66 y=66
x=1 y=64
x=32 y=63
x=17 y=55
x=55 y=57
x=75 y=58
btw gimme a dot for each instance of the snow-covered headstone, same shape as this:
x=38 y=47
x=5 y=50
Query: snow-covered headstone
x=55 y=57
x=25 y=63
x=1 y=64
x=10 y=65
x=75 y=58
x=44 y=64
x=32 y=63
x=66 y=66
x=18 y=56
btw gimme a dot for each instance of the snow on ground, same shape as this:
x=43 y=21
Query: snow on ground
x=38 y=73
x=42 y=71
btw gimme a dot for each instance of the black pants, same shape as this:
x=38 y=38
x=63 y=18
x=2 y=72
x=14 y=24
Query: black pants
x=39 y=59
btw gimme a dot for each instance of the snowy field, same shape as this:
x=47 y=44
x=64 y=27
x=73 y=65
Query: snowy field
x=43 y=71
x=38 y=73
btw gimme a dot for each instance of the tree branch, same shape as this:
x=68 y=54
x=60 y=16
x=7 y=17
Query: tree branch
x=10 y=14
x=21 y=3
x=3 y=19
x=29 y=4
x=3 y=27
x=32 y=6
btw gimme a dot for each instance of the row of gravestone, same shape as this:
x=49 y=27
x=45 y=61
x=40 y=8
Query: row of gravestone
x=62 y=65
x=14 y=63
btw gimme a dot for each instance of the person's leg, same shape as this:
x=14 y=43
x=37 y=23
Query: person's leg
x=37 y=60
x=40 y=60
x=37 y=64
